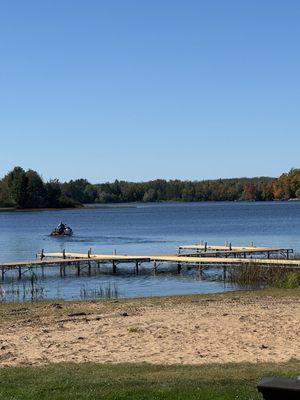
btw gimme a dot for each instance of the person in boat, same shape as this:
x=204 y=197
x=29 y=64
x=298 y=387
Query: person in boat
x=61 y=228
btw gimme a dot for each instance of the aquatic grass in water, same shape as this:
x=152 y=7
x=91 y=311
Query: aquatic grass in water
x=253 y=276
x=29 y=290
x=108 y=292
x=295 y=256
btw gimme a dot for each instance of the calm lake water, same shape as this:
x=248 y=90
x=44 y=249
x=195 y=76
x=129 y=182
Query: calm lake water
x=140 y=229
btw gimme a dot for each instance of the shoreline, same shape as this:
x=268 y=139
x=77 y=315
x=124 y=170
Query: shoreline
x=118 y=205
x=95 y=206
x=253 y=327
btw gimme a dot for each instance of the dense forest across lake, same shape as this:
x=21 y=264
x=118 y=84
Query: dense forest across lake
x=26 y=189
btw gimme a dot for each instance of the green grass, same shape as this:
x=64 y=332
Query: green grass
x=139 y=381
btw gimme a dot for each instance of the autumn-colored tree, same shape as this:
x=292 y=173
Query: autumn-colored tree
x=249 y=192
x=277 y=191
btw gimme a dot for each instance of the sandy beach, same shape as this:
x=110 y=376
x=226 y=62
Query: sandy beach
x=175 y=330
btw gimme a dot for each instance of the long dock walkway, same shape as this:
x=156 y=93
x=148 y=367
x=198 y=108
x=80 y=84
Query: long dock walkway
x=176 y=259
x=24 y=266
x=122 y=258
x=64 y=260
x=205 y=256
x=227 y=261
x=229 y=250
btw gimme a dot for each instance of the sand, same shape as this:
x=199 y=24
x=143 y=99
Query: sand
x=181 y=330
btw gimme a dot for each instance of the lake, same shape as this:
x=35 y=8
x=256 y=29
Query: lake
x=140 y=229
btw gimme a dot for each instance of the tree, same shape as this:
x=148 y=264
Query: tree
x=5 y=198
x=36 y=191
x=53 y=193
x=249 y=192
x=149 y=196
x=76 y=190
x=17 y=184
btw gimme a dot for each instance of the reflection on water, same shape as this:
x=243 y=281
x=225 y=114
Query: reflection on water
x=143 y=229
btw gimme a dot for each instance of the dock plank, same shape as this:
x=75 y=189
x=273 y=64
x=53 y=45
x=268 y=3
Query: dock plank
x=238 y=249
x=99 y=257
x=224 y=260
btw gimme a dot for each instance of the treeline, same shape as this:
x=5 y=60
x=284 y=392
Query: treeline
x=26 y=189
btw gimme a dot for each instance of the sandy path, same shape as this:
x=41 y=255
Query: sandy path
x=189 y=332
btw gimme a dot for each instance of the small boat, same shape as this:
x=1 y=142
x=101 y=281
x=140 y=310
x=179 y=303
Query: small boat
x=62 y=230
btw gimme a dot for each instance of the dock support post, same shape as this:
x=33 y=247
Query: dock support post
x=114 y=267
x=20 y=272
x=178 y=268
x=224 y=273
x=287 y=254
x=78 y=268
x=200 y=269
x=98 y=265
x=137 y=267
x=268 y=254
x=154 y=267
x=89 y=268
x=60 y=270
x=2 y=273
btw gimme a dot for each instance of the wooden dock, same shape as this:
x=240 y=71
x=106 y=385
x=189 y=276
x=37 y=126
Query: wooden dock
x=64 y=260
x=122 y=258
x=205 y=256
x=227 y=261
x=233 y=251
x=173 y=258
x=24 y=266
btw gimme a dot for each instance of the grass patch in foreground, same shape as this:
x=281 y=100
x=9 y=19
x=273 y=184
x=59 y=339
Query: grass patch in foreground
x=139 y=381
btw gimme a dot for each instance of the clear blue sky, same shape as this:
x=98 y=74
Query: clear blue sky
x=137 y=90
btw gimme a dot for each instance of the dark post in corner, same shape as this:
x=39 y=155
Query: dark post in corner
x=279 y=388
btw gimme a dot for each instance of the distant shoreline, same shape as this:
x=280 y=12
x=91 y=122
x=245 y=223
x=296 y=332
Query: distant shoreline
x=92 y=207
x=95 y=206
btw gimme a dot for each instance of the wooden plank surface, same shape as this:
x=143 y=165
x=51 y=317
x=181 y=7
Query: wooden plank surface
x=221 y=260
x=181 y=259
x=57 y=258
x=39 y=262
x=228 y=252
x=233 y=248
x=99 y=257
